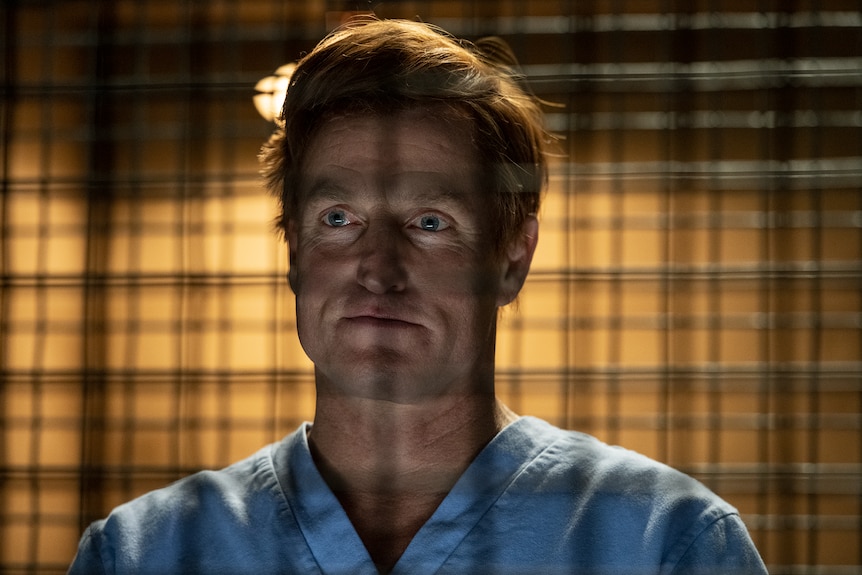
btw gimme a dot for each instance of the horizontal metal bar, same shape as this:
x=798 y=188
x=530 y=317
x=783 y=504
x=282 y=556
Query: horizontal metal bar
x=715 y=423
x=711 y=119
x=132 y=324
x=789 y=377
x=620 y=22
x=466 y=26
x=708 y=222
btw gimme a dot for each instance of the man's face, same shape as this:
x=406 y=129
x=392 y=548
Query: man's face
x=396 y=282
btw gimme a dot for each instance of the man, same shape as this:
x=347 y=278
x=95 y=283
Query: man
x=409 y=167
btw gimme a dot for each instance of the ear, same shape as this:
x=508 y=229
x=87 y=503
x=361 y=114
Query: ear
x=290 y=234
x=516 y=261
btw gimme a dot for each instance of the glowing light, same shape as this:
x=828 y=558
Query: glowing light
x=272 y=91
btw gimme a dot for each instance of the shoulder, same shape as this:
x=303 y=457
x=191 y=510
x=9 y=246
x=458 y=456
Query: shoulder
x=636 y=506
x=204 y=517
x=229 y=492
x=571 y=459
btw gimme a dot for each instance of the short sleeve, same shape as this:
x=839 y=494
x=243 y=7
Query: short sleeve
x=723 y=547
x=88 y=560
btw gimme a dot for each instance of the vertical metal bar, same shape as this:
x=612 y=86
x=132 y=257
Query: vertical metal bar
x=183 y=326
x=815 y=195
x=129 y=288
x=714 y=253
x=858 y=302
x=567 y=280
x=189 y=285
x=582 y=102
x=763 y=370
x=41 y=287
x=99 y=194
x=667 y=383
x=782 y=204
x=618 y=274
x=8 y=103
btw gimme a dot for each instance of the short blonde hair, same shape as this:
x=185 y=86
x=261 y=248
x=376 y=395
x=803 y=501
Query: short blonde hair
x=375 y=66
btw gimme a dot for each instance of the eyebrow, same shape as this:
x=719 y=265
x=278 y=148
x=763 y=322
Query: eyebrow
x=322 y=188
x=446 y=195
x=431 y=190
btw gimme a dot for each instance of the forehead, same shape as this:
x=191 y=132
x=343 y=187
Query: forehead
x=426 y=144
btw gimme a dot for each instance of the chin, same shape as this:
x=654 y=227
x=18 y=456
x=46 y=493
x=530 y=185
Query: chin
x=384 y=378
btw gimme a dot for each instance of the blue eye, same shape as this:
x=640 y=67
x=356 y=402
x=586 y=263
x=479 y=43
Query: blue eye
x=336 y=218
x=431 y=223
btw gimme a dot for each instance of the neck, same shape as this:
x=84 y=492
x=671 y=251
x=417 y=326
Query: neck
x=392 y=464
x=370 y=442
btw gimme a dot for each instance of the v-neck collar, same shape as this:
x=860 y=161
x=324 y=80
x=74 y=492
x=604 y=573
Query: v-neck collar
x=330 y=536
x=333 y=540
x=475 y=492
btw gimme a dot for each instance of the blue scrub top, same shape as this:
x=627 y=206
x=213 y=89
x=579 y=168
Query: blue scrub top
x=537 y=499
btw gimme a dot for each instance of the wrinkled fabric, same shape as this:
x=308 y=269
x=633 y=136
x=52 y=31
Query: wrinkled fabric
x=537 y=499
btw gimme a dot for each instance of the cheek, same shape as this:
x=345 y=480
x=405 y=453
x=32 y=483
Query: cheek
x=310 y=307
x=315 y=284
x=315 y=266
x=466 y=294
x=313 y=280
x=457 y=274
x=479 y=280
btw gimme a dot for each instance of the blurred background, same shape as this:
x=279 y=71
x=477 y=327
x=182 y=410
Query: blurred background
x=697 y=294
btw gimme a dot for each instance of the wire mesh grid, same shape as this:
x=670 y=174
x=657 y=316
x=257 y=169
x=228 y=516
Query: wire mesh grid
x=696 y=296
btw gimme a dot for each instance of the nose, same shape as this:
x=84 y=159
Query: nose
x=381 y=265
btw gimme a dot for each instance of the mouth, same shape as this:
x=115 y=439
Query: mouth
x=375 y=320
